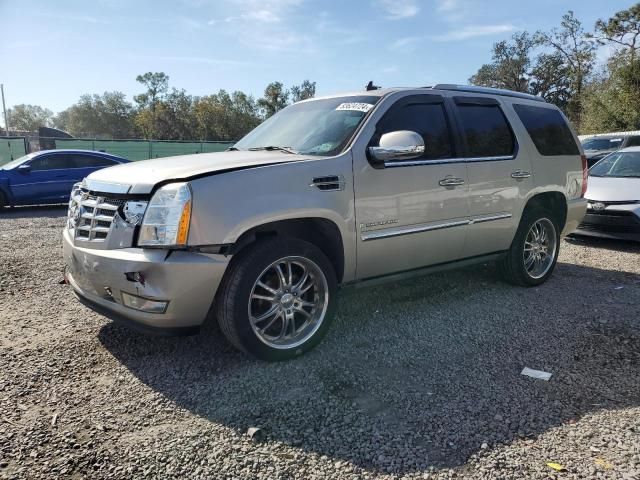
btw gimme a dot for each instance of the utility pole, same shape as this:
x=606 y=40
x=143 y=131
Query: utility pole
x=4 y=109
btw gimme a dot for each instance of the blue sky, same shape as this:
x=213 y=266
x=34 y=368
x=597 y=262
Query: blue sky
x=206 y=45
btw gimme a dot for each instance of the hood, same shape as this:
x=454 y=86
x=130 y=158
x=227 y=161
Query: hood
x=611 y=189
x=140 y=177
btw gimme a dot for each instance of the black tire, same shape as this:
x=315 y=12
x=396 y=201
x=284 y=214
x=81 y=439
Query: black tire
x=233 y=296
x=512 y=266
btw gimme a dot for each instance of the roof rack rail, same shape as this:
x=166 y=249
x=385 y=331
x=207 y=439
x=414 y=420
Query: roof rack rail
x=488 y=90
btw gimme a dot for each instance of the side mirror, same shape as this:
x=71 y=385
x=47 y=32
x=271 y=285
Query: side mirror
x=24 y=168
x=400 y=145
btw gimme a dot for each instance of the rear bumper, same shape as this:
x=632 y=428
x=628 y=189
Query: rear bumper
x=188 y=281
x=576 y=210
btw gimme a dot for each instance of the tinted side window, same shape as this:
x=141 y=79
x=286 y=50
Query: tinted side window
x=89 y=161
x=427 y=119
x=548 y=130
x=52 y=162
x=633 y=142
x=486 y=131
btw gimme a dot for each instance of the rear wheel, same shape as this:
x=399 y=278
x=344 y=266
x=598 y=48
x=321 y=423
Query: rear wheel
x=277 y=299
x=534 y=251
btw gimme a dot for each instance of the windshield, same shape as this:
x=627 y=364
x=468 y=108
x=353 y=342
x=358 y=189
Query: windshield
x=16 y=162
x=317 y=127
x=602 y=143
x=625 y=164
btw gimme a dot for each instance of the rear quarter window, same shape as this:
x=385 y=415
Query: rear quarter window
x=548 y=130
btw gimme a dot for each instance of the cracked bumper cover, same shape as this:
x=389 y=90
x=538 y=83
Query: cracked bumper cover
x=188 y=281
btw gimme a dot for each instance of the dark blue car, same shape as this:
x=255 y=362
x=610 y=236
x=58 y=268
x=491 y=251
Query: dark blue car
x=47 y=176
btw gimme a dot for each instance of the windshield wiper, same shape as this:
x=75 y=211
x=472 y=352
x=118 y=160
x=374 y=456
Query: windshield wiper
x=275 y=147
x=233 y=149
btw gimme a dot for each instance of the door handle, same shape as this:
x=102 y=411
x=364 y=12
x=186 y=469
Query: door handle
x=451 y=182
x=518 y=174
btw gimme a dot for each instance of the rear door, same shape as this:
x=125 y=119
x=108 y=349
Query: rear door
x=499 y=171
x=46 y=181
x=411 y=213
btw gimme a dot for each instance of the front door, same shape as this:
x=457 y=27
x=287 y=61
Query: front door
x=46 y=181
x=411 y=213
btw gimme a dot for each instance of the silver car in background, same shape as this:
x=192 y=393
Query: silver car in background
x=613 y=194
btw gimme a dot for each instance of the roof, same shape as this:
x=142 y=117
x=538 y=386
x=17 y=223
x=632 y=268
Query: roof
x=610 y=134
x=77 y=150
x=380 y=92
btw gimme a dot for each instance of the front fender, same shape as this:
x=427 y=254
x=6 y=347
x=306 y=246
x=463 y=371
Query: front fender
x=226 y=206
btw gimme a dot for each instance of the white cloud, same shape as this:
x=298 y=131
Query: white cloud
x=447 y=5
x=398 y=9
x=472 y=31
x=405 y=43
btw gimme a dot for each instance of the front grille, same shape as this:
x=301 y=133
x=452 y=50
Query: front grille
x=91 y=216
x=611 y=222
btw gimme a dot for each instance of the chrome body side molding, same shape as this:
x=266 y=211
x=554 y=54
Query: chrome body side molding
x=407 y=230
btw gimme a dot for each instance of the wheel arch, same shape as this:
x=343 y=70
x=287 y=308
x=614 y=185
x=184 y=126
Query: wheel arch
x=553 y=201
x=5 y=197
x=321 y=232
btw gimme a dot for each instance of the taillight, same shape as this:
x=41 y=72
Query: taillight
x=585 y=174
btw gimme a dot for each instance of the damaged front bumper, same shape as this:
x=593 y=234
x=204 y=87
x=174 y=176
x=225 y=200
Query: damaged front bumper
x=176 y=288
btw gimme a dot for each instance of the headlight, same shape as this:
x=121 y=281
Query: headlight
x=166 y=220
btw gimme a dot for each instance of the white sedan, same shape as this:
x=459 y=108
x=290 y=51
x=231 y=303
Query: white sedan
x=613 y=193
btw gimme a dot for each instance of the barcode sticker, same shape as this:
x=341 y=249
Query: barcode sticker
x=355 y=107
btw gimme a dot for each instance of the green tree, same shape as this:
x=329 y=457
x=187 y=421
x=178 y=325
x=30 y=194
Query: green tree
x=157 y=84
x=225 y=117
x=108 y=115
x=623 y=29
x=305 y=90
x=577 y=49
x=510 y=64
x=550 y=79
x=275 y=98
x=29 y=118
x=174 y=117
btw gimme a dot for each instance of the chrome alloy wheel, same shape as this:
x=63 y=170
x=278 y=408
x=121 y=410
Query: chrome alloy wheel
x=288 y=302
x=540 y=248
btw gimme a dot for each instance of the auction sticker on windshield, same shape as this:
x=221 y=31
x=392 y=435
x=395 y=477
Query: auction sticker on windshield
x=355 y=107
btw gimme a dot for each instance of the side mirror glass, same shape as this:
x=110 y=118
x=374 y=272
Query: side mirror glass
x=399 y=145
x=24 y=168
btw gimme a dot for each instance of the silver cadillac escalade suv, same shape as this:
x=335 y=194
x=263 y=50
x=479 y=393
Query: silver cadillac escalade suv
x=355 y=188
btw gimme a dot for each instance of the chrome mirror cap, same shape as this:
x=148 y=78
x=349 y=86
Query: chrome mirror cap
x=399 y=145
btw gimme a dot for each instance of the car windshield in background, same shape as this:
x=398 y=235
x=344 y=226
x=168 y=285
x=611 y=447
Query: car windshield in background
x=602 y=144
x=14 y=163
x=625 y=164
x=316 y=127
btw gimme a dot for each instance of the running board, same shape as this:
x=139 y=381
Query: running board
x=419 y=272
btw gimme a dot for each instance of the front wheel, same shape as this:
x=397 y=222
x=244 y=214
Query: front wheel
x=534 y=251
x=277 y=298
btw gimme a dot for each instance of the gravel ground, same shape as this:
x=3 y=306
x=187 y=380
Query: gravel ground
x=419 y=379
